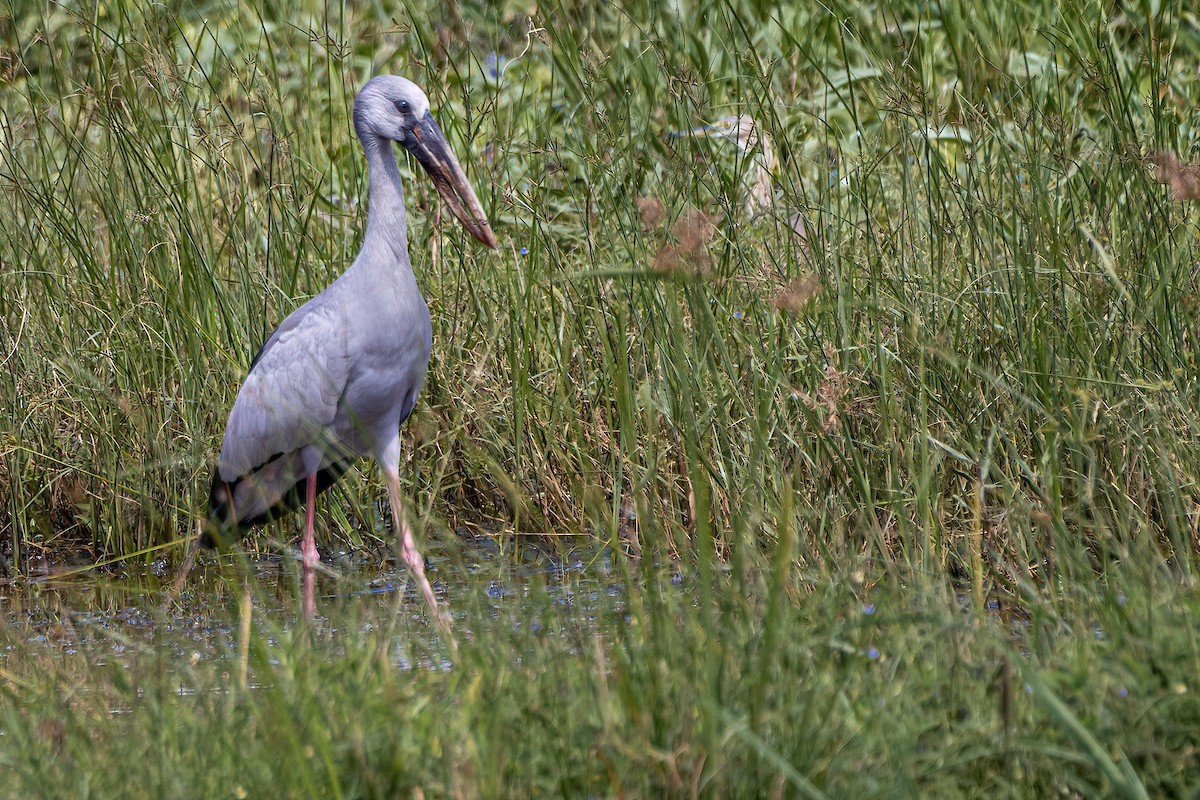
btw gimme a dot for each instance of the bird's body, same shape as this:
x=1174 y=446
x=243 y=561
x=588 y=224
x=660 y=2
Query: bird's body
x=325 y=389
x=743 y=131
x=342 y=372
x=759 y=200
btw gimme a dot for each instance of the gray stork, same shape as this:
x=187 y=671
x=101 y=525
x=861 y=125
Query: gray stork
x=342 y=372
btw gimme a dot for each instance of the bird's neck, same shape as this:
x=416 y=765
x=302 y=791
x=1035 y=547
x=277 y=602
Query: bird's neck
x=769 y=161
x=766 y=156
x=387 y=225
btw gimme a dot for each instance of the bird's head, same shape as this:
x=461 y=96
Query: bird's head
x=743 y=131
x=739 y=128
x=391 y=107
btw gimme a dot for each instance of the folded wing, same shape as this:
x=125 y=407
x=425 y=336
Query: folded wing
x=283 y=424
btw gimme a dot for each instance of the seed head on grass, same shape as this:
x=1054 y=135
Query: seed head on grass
x=651 y=211
x=668 y=259
x=693 y=232
x=830 y=392
x=1183 y=178
x=793 y=297
x=829 y=395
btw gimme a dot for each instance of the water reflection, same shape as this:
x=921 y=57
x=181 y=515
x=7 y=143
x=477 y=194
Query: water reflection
x=109 y=617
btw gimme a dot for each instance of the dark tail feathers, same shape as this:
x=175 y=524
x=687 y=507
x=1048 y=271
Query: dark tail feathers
x=223 y=525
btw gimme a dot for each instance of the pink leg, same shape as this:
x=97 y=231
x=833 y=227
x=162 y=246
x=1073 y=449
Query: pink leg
x=309 y=557
x=412 y=557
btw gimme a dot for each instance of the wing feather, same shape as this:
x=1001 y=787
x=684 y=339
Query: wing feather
x=290 y=398
x=287 y=407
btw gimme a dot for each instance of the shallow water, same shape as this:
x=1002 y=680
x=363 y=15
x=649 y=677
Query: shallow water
x=111 y=615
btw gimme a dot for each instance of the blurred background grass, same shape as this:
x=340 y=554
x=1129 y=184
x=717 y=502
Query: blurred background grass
x=957 y=355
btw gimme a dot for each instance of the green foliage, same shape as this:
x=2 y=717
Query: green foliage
x=996 y=362
x=973 y=374
x=561 y=690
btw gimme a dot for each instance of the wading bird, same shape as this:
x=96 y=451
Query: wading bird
x=745 y=133
x=341 y=373
x=748 y=135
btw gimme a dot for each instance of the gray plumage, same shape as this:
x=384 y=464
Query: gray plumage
x=338 y=377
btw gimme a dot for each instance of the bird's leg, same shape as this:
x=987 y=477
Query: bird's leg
x=412 y=557
x=309 y=557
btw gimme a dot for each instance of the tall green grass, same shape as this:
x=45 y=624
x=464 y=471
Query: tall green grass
x=855 y=692
x=972 y=378
x=995 y=375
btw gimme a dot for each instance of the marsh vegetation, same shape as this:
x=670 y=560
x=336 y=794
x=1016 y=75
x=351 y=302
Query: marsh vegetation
x=888 y=491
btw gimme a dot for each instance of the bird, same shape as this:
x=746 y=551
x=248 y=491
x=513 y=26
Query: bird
x=746 y=134
x=337 y=378
x=759 y=200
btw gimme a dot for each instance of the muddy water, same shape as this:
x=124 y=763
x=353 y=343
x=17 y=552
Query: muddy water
x=132 y=609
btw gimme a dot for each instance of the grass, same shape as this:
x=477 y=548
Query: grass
x=899 y=694
x=967 y=395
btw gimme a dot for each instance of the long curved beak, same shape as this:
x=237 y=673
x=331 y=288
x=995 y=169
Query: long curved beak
x=435 y=156
x=700 y=130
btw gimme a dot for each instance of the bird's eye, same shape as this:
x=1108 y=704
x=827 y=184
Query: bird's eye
x=402 y=106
